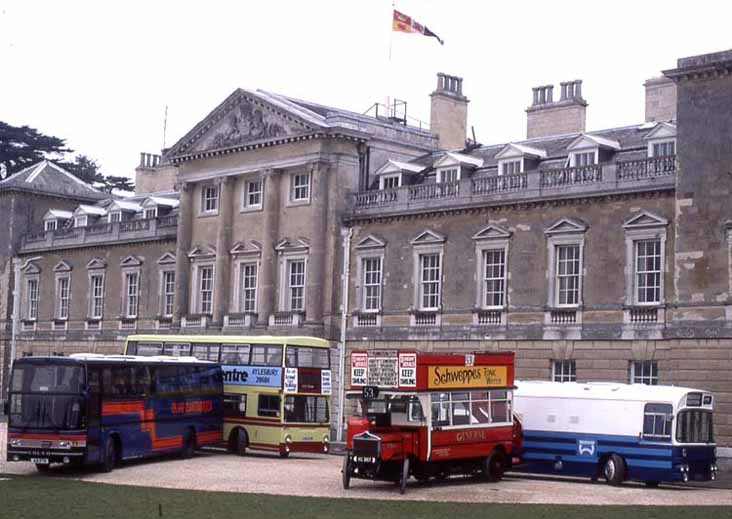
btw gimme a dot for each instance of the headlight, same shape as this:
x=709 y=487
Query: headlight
x=15 y=443
x=325 y=439
x=64 y=444
x=288 y=439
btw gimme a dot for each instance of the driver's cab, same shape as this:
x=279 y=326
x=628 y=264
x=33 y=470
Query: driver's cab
x=395 y=410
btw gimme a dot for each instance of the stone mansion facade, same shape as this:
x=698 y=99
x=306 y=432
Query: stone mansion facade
x=594 y=255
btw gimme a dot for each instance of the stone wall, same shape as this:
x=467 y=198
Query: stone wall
x=660 y=99
x=555 y=119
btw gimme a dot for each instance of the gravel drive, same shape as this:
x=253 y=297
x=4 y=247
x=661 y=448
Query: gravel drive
x=315 y=475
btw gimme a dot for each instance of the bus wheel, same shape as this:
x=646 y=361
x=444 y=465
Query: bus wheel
x=614 y=470
x=493 y=466
x=241 y=441
x=109 y=455
x=43 y=467
x=346 y=471
x=189 y=444
x=404 y=476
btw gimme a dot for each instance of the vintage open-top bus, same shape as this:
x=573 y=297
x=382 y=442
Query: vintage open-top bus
x=427 y=415
x=619 y=431
x=277 y=390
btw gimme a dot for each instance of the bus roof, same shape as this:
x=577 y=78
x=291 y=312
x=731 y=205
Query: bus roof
x=96 y=357
x=292 y=340
x=601 y=391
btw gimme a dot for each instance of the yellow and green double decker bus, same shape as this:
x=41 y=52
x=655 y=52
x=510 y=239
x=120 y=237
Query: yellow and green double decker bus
x=277 y=390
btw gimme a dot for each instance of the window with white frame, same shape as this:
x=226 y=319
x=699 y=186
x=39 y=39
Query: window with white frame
x=115 y=216
x=253 y=194
x=63 y=286
x=80 y=221
x=494 y=277
x=663 y=148
x=448 y=175
x=567 y=271
x=390 y=181
x=511 y=167
x=583 y=158
x=132 y=294
x=429 y=281
x=51 y=225
x=205 y=289
x=564 y=371
x=371 y=269
x=299 y=187
x=96 y=296
x=648 y=271
x=249 y=287
x=644 y=372
x=168 y=292
x=296 y=285
x=209 y=199
x=32 y=300
x=151 y=212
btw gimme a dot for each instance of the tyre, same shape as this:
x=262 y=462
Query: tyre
x=284 y=454
x=189 y=444
x=109 y=455
x=241 y=442
x=494 y=466
x=43 y=467
x=404 y=476
x=346 y=471
x=614 y=470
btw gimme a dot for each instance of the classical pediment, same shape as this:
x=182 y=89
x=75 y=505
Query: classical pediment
x=167 y=259
x=428 y=238
x=370 y=242
x=131 y=261
x=288 y=245
x=243 y=118
x=492 y=232
x=566 y=226
x=62 y=266
x=202 y=252
x=251 y=247
x=96 y=264
x=662 y=130
x=644 y=220
x=30 y=268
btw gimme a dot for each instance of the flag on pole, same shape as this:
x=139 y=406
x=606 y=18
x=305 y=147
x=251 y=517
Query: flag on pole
x=403 y=23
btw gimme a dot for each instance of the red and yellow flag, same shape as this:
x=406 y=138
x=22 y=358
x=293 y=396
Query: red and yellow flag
x=403 y=23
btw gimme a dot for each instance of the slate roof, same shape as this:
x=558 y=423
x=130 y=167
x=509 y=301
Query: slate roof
x=47 y=178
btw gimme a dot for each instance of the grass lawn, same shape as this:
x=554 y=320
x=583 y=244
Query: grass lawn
x=27 y=498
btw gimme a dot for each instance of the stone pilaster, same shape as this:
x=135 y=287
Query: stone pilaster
x=267 y=293
x=222 y=272
x=316 y=259
x=182 y=247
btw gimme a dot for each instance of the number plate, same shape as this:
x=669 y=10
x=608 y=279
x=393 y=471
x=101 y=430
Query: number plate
x=364 y=459
x=40 y=461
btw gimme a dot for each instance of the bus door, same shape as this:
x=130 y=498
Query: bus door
x=94 y=412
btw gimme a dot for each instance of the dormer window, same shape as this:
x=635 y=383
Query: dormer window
x=151 y=212
x=51 y=225
x=661 y=140
x=390 y=181
x=511 y=167
x=115 y=217
x=581 y=159
x=663 y=148
x=80 y=221
x=448 y=175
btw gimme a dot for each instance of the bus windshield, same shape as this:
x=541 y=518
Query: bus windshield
x=307 y=357
x=694 y=426
x=46 y=396
x=306 y=409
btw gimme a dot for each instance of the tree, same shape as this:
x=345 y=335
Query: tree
x=23 y=146
x=84 y=168
x=120 y=183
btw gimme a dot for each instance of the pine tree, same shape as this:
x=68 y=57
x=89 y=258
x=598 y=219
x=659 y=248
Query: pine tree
x=23 y=146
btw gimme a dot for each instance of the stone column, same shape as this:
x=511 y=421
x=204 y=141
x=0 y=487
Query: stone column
x=182 y=247
x=267 y=290
x=222 y=272
x=316 y=258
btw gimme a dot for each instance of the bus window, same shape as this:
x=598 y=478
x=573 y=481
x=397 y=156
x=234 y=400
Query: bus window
x=306 y=409
x=206 y=351
x=460 y=411
x=269 y=405
x=266 y=355
x=307 y=357
x=694 y=427
x=209 y=379
x=657 y=420
x=415 y=410
x=141 y=382
x=235 y=354
x=131 y=348
x=500 y=407
x=147 y=349
x=166 y=380
x=177 y=349
x=235 y=406
x=440 y=409
x=479 y=408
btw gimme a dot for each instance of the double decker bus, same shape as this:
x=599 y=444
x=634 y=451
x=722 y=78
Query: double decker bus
x=277 y=390
x=618 y=431
x=429 y=416
x=101 y=409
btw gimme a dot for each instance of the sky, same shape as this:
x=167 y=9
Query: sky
x=100 y=74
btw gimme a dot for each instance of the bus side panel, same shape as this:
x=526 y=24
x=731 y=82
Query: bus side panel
x=470 y=443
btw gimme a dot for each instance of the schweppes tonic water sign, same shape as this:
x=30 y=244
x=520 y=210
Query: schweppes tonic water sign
x=464 y=377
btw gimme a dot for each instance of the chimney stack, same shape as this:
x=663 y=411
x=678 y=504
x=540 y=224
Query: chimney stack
x=449 y=112
x=545 y=117
x=660 y=99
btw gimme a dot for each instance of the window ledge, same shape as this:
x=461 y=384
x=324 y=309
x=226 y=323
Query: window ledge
x=363 y=319
x=297 y=203
x=495 y=316
x=251 y=209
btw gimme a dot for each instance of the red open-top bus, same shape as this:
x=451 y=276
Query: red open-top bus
x=427 y=415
